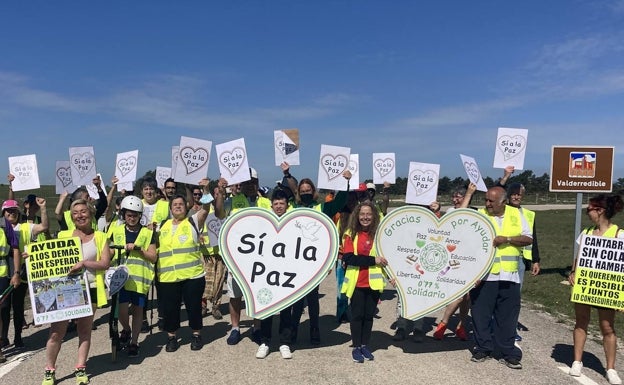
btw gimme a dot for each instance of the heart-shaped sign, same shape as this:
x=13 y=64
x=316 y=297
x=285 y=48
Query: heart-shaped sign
x=277 y=260
x=285 y=148
x=511 y=146
x=126 y=165
x=233 y=160
x=83 y=163
x=193 y=158
x=115 y=278
x=162 y=176
x=47 y=298
x=473 y=172
x=423 y=181
x=334 y=166
x=353 y=167
x=64 y=175
x=23 y=171
x=434 y=261
x=384 y=166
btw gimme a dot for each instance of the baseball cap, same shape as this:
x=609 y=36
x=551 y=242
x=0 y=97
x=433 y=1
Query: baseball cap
x=361 y=187
x=9 y=204
x=370 y=186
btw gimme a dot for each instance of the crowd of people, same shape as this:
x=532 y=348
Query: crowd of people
x=165 y=238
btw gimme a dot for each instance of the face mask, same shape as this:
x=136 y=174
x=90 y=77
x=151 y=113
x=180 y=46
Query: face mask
x=306 y=199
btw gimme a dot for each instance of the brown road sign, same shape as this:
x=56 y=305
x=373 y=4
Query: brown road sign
x=581 y=169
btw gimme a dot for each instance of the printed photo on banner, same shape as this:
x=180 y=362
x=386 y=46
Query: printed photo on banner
x=333 y=162
x=354 y=167
x=286 y=146
x=383 y=168
x=126 y=166
x=472 y=170
x=232 y=159
x=277 y=260
x=510 y=148
x=162 y=174
x=82 y=165
x=175 y=155
x=55 y=295
x=192 y=163
x=63 y=180
x=422 y=183
x=24 y=169
x=599 y=272
x=434 y=261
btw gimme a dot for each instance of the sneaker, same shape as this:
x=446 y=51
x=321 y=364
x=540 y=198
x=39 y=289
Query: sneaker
x=419 y=336
x=2 y=358
x=263 y=351
x=4 y=343
x=172 y=344
x=124 y=337
x=480 y=356
x=133 y=350
x=613 y=377
x=357 y=355
x=234 y=337
x=145 y=327
x=399 y=335
x=439 y=332
x=366 y=353
x=161 y=324
x=49 y=377
x=216 y=313
x=511 y=362
x=196 y=342
x=576 y=368
x=256 y=336
x=285 y=352
x=315 y=336
x=81 y=376
x=518 y=337
x=460 y=332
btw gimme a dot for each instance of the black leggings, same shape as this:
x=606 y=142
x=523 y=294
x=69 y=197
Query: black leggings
x=15 y=300
x=363 y=305
x=173 y=293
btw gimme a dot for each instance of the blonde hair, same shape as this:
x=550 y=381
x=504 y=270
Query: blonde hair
x=77 y=202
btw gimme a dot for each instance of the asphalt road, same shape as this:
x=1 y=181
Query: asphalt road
x=547 y=346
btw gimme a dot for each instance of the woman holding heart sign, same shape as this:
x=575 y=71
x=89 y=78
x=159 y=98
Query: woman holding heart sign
x=364 y=277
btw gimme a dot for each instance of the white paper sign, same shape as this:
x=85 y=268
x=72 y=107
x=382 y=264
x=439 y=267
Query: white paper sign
x=24 y=169
x=333 y=162
x=213 y=225
x=82 y=165
x=510 y=148
x=434 y=261
x=63 y=180
x=233 y=164
x=162 y=174
x=92 y=189
x=422 y=183
x=126 y=166
x=384 y=169
x=472 y=170
x=175 y=155
x=354 y=167
x=115 y=278
x=298 y=249
x=127 y=186
x=192 y=164
x=286 y=144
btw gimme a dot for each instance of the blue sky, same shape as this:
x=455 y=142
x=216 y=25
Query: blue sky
x=426 y=80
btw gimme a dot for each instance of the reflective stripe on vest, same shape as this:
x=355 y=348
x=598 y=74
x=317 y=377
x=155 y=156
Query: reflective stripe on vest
x=508 y=256
x=375 y=274
x=179 y=257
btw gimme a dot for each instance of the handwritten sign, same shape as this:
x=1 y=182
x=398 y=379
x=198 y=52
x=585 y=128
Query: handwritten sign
x=472 y=170
x=510 y=147
x=115 y=278
x=286 y=144
x=162 y=174
x=354 y=168
x=277 y=261
x=233 y=164
x=422 y=186
x=333 y=162
x=384 y=169
x=24 y=169
x=54 y=295
x=192 y=164
x=599 y=273
x=434 y=261
x=82 y=165
x=126 y=166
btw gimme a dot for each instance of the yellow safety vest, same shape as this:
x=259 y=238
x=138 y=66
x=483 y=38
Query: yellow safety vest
x=101 y=241
x=240 y=201
x=179 y=257
x=140 y=270
x=527 y=251
x=70 y=223
x=507 y=256
x=612 y=232
x=375 y=274
x=4 y=250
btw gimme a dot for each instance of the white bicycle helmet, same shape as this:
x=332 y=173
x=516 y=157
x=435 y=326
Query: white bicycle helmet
x=132 y=203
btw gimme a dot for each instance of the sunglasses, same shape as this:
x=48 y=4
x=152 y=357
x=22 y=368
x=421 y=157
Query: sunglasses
x=593 y=209
x=197 y=194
